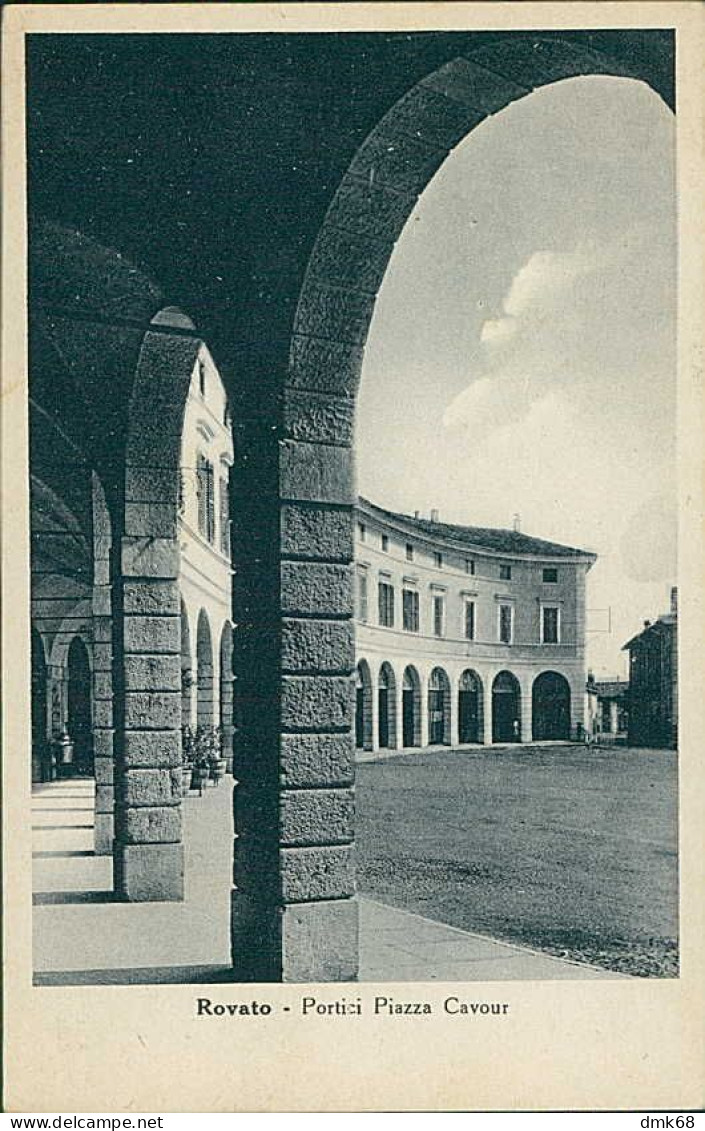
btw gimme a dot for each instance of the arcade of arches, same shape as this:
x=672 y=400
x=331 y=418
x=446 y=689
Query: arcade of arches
x=326 y=168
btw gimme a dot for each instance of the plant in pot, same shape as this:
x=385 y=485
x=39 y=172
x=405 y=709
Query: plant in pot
x=216 y=761
x=199 y=777
x=188 y=750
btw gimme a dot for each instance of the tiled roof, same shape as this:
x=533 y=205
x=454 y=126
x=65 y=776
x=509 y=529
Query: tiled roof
x=663 y=624
x=481 y=537
x=610 y=688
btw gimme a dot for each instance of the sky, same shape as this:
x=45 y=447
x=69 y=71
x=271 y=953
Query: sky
x=522 y=353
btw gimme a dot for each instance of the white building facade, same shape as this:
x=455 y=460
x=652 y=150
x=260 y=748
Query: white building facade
x=205 y=577
x=465 y=635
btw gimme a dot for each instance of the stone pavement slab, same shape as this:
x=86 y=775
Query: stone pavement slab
x=83 y=936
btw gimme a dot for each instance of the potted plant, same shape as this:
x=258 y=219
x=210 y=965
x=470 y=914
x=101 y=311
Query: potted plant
x=200 y=769
x=216 y=761
x=188 y=749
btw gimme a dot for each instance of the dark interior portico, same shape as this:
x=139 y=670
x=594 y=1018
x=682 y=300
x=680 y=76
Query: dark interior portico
x=258 y=184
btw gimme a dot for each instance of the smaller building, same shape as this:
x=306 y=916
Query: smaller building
x=607 y=709
x=653 y=681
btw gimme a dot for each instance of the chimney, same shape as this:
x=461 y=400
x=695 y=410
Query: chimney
x=417 y=514
x=516 y=524
x=674 y=600
x=434 y=516
x=647 y=624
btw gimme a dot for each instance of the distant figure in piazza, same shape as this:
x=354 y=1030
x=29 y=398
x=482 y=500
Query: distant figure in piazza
x=465 y=635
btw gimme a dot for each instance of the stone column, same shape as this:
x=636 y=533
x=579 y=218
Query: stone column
x=148 y=851
x=293 y=916
x=103 y=732
x=454 y=714
x=424 y=713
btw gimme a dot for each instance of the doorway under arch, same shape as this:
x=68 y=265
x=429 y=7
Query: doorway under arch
x=439 y=708
x=470 y=708
x=506 y=708
x=40 y=737
x=204 y=672
x=363 y=706
x=411 y=707
x=550 y=707
x=386 y=708
x=79 y=706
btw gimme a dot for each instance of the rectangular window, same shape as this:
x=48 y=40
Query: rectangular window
x=410 y=610
x=439 y=616
x=506 y=623
x=469 y=566
x=549 y=625
x=469 y=620
x=438 y=560
x=362 y=596
x=205 y=487
x=362 y=531
x=409 y=552
x=385 y=543
x=224 y=517
x=505 y=573
x=386 y=604
x=550 y=575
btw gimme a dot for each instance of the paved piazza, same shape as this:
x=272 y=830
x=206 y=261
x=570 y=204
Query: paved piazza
x=568 y=850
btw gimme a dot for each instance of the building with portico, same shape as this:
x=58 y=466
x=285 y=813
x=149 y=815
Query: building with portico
x=465 y=634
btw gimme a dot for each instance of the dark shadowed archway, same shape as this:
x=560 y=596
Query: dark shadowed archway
x=506 y=708
x=470 y=708
x=40 y=736
x=411 y=707
x=550 y=710
x=387 y=708
x=439 y=708
x=364 y=737
x=204 y=672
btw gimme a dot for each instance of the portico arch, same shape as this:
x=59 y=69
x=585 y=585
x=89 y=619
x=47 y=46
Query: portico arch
x=470 y=708
x=550 y=712
x=363 y=707
x=387 y=707
x=439 y=708
x=506 y=708
x=411 y=707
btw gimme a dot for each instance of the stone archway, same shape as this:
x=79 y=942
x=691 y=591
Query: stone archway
x=550 y=710
x=387 y=708
x=204 y=672
x=363 y=707
x=147 y=620
x=411 y=707
x=39 y=706
x=439 y=708
x=470 y=708
x=506 y=708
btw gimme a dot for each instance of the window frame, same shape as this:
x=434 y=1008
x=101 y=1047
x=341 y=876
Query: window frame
x=409 y=592
x=385 y=602
x=500 y=608
x=439 y=602
x=553 y=609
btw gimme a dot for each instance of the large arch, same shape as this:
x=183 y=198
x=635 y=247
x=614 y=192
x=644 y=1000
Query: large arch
x=79 y=715
x=364 y=731
x=439 y=708
x=550 y=707
x=39 y=704
x=386 y=708
x=506 y=708
x=411 y=707
x=205 y=687
x=471 y=715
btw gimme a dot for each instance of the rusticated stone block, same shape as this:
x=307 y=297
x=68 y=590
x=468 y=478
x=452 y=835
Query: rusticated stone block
x=102 y=685
x=153 y=673
x=397 y=159
x=345 y=259
x=102 y=657
x=101 y=572
x=309 y=874
x=317 y=759
x=157 y=749
x=144 y=484
x=103 y=743
x=320 y=941
x=150 y=557
x=534 y=62
x=152 y=634
x=103 y=834
x=428 y=114
x=316 y=702
x=473 y=86
x=330 y=366
x=318 y=418
x=101 y=549
x=102 y=630
x=102 y=601
x=318 y=645
x=104 y=798
x=313 y=587
x=152 y=710
x=152 y=520
x=315 y=532
x=333 y=312
x=152 y=597
x=103 y=714
x=104 y=771
x=150 y=872
x=152 y=787
x=318 y=473
x=317 y=816
x=152 y=826
x=371 y=210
